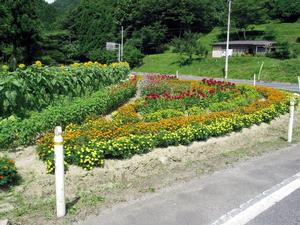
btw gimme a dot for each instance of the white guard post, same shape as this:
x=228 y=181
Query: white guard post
x=59 y=172
x=260 y=70
x=291 y=120
x=254 y=80
x=177 y=74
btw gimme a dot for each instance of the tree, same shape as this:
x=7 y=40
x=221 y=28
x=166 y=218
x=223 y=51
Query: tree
x=20 y=29
x=91 y=25
x=287 y=10
x=246 y=13
x=188 y=46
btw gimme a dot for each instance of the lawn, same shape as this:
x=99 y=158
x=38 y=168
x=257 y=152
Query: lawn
x=239 y=67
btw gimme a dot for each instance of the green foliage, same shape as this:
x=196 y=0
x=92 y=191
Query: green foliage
x=282 y=51
x=8 y=172
x=91 y=24
x=195 y=110
x=187 y=47
x=15 y=131
x=286 y=10
x=152 y=37
x=36 y=87
x=162 y=114
x=57 y=48
x=133 y=55
x=270 y=34
x=246 y=13
x=20 y=30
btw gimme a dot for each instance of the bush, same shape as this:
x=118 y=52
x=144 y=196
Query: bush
x=298 y=40
x=282 y=51
x=133 y=55
x=8 y=172
x=15 y=132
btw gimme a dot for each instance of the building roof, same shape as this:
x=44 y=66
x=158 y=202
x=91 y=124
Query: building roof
x=255 y=43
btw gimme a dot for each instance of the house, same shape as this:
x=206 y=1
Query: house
x=242 y=48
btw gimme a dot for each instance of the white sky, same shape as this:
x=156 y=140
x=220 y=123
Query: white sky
x=49 y=1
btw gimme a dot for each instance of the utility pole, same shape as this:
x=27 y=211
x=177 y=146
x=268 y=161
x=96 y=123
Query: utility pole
x=122 y=43
x=228 y=35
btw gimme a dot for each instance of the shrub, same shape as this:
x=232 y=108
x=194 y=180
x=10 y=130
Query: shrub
x=8 y=172
x=133 y=55
x=282 y=51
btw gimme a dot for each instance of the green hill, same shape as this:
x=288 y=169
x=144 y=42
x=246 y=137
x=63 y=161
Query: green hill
x=239 y=67
x=288 y=32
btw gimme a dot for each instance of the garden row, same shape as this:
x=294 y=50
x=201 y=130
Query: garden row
x=170 y=112
x=15 y=131
x=36 y=87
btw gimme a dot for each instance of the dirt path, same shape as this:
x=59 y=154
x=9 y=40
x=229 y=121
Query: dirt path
x=122 y=180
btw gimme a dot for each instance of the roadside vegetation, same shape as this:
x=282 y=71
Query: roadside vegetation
x=239 y=67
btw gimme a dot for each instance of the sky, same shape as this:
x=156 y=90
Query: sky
x=49 y=1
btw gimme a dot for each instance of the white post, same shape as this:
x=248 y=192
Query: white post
x=254 y=80
x=291 y=120
x=227 y=43
x=59 y=173
x=177 y=74
x=119 y=53
x=122 y=43
x=299 y=83
x=260 y=70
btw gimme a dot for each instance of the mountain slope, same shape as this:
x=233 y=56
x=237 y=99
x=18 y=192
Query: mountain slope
x=65 y=5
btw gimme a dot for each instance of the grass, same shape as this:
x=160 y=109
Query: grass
x=284 y=32
x=239 y=67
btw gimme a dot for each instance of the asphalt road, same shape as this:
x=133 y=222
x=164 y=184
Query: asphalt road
x=286 y=212
x=205 y=200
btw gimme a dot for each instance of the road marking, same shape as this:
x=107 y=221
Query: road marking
x=260 y=203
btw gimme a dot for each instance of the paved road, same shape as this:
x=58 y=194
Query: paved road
x=278 y=85
x=203 y=201
x=284 y=213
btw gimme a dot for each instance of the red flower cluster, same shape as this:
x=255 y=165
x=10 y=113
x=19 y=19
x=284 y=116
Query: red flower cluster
x=212 y=82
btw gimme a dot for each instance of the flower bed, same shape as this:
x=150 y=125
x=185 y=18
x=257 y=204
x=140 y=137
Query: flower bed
x=170 y=112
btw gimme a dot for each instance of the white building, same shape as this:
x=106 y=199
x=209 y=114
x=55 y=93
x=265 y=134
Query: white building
x=242 y=48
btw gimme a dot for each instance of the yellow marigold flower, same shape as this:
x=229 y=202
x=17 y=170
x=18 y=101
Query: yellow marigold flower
x=75 y=65
x=21 y=66
x=38 y=63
